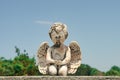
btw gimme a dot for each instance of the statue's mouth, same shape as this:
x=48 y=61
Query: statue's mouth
x=57 y=44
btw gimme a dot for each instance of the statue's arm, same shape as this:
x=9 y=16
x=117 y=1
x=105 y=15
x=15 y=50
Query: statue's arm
x=67 y=58
x=48 y=56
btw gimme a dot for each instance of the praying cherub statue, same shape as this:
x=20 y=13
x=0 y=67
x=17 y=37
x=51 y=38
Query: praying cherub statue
x=58 y=59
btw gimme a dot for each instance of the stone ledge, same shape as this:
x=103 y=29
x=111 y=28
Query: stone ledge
x=59 y=78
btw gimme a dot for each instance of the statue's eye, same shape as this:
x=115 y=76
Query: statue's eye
x=58 y=37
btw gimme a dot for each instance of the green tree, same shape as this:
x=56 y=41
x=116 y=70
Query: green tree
x=24 y=65
x=18 y=68
x=6 y=68
x=114 y=71
x=17 y=50
x=86 y=70
x=20 y=65
x=95 y=72
x=83 y=70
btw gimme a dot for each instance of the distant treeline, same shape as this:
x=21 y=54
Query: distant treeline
x=23 y=65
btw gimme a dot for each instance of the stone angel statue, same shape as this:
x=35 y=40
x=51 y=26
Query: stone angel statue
x=58 y=59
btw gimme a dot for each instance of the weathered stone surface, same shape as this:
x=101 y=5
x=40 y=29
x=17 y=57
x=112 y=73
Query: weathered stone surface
x=59 y=78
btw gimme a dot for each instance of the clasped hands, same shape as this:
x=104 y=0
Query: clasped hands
x=58 y=62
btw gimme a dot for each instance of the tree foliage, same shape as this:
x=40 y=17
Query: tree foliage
x=22 y=64
x=86 y=70
x=114 y=71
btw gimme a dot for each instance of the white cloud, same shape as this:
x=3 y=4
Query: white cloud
x=44 y=22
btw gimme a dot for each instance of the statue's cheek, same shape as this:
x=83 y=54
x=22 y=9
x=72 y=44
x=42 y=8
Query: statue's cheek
x=54 y=40
x=62 y=39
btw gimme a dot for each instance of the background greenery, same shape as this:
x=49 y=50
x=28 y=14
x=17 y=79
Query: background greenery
x=23 y=65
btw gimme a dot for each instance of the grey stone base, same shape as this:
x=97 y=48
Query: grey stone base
x=59 y=78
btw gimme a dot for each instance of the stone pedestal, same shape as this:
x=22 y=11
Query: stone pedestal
x=59 y=78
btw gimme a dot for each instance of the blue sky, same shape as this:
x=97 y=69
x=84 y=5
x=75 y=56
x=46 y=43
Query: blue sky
x=95 y=24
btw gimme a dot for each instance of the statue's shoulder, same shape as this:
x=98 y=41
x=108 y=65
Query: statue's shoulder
x=52 y=47
x=65 y=47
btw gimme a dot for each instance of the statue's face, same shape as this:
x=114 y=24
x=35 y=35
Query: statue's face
x=58 y=34
x=58 y=38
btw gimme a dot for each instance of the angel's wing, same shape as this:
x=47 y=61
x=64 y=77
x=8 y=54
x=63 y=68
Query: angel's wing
x=75 y=57
x=41 y=57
